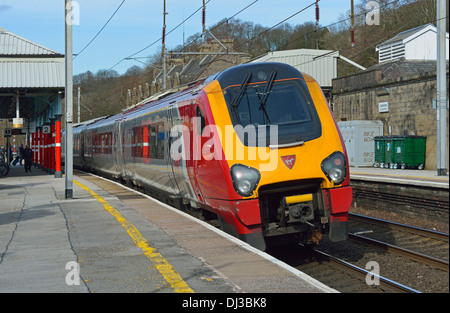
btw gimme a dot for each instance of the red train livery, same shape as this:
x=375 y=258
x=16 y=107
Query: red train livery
x=255 y=146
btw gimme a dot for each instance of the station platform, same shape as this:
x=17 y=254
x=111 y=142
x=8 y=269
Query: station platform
x=124 y=243
x=398 y=176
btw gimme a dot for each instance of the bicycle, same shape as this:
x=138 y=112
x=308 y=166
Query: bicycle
x=4 y=166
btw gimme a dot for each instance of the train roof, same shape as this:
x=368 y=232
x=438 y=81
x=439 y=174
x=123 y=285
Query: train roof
x=226 y=78
x=260 y=72
x=155 y=102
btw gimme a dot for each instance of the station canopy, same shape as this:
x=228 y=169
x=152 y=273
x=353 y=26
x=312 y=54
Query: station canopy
x=32 y=82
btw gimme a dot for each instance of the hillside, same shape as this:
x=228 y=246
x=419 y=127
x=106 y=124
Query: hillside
x=105 y=92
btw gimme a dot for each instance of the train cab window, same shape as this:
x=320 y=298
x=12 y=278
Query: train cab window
x=285 y=103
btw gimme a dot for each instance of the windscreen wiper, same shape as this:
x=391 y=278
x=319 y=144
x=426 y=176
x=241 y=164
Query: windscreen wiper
x=262 y=101
x=238 y=97
x=235 y=102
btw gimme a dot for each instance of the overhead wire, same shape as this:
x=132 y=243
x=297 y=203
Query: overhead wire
x=224 y=21
x=156 y=41
x=345 y=20
x=266 y=30
x=220 y=24
x=101 y=29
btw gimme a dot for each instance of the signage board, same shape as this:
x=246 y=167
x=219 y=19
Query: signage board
x=383 y=107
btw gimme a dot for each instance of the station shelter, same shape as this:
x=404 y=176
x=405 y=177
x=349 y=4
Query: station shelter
x=32 y=82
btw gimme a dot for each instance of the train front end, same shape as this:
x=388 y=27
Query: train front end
x=283 y=158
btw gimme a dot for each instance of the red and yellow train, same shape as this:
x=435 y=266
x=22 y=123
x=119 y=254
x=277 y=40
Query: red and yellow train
x=256 y=145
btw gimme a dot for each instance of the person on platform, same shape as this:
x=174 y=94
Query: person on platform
x=21 y=154
x=28 y=156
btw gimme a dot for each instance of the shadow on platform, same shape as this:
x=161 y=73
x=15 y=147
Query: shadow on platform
x=19 y=171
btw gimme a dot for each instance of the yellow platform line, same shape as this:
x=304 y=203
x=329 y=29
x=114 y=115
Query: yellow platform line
x=160 y=263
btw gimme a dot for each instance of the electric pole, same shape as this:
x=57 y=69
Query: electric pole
x=203 y=22
x=352 y=18
x=79 y=101
x=441 y=98
x=317 y=24
x=69 y=100
x=164 y=48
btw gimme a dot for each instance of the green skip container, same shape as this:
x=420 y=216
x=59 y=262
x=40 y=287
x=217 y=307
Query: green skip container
x=400 y=152
x=409 y=152
x=380 y=148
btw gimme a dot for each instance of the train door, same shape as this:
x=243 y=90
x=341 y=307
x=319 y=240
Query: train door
x=195 y=146
x=173 y=118
x=81 y=143
x=118 y=149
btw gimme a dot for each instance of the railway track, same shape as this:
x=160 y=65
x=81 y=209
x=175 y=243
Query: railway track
x=342 y=265
x=428 y=202
x=373 y=281
x=423 y=245
x=341 y=275
x=412 y=256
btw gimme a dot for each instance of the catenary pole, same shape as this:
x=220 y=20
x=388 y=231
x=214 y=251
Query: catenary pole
x=164 y=70
x=203 y=22
x=69 y=101
x=441 y=96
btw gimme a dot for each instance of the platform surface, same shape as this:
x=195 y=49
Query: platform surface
x=399 y=176
x=122 y=243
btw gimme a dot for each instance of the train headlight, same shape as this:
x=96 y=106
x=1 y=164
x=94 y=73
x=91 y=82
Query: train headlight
x=334 y=167
x=245 y=179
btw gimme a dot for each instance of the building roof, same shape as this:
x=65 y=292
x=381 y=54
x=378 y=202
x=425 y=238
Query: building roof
x=320 y=64
x=418 y=43
x=407 y=35
x=32 y=74
x=25 y=64
x=387 y=72
x=14 y=45
x=402 y=67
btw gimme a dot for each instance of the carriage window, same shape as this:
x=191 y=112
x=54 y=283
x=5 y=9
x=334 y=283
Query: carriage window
x=137 y=142
x=152 y=141
x=160 y=142
x=202 y=125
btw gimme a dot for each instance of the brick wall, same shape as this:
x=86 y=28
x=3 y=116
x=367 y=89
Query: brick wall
x=409 y=99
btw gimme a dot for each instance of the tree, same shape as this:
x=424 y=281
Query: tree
x=133 y=71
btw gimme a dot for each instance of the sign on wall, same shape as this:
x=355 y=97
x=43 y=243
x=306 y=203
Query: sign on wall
x=383 y=107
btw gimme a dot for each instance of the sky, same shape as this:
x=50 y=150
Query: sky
x=138 y=24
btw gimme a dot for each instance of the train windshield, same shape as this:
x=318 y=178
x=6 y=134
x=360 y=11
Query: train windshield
x=285 y=103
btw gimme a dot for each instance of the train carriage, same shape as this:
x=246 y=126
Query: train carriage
x=256 y=144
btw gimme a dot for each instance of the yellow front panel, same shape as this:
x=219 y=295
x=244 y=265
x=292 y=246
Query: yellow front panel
x=308 y=156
